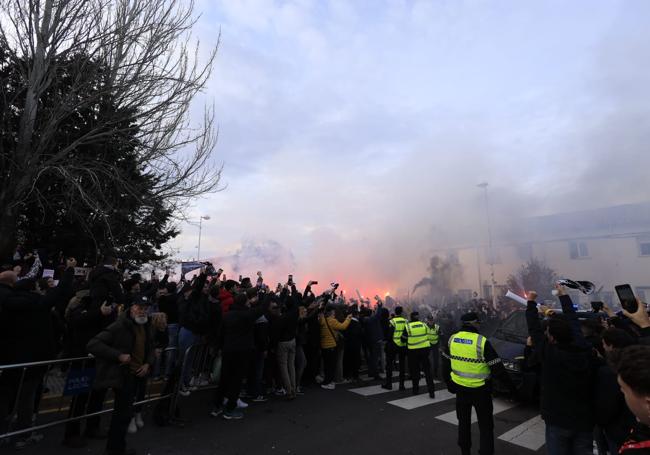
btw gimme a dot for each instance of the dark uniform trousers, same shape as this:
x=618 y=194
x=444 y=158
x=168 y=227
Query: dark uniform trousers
x=419 y=361
x=393 y=352
x=481 y=399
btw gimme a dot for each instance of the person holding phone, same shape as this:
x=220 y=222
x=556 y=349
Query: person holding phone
x=568 y=368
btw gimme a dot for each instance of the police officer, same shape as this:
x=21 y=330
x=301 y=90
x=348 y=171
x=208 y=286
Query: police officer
x=433 y=333
x=418 y=345
x=396 y=348
x=470 y=361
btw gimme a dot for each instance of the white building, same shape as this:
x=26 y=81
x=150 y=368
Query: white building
x=607 y=246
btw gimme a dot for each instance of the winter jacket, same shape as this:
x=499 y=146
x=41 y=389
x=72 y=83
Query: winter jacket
x=85 y=320
x=329 y=328
x=118 y=338
x=226 y=299
x=611 y=412
x=26 y=323
x=287 y=324
x=105 y=285
x=567 y=373
x=638 y=442
x=168 y=304
x=372 y=331
x=238 y=327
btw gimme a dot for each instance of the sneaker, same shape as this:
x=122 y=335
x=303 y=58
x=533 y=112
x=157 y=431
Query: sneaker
x=299 y=391
x=216 y=412
x=260 y=399
x=32 y=439
x=280 y=392
x=138 y=420
x=329 y=386
x=240 y=404
x=343 y=381
x=184 y=392
x=235 y=414
x=319 y=379
x=133 y=428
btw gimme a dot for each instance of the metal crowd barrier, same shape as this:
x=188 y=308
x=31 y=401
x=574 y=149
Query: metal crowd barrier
x=50 y=387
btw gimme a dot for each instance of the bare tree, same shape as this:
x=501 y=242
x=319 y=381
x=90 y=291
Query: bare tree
x=140 y=55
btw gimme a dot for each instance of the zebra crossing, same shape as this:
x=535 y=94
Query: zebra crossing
x=529 y=434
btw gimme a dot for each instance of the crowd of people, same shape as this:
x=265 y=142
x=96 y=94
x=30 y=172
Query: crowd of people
x=251 y=342
x=248 y=341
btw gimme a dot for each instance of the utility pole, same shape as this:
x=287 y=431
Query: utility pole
x=484 y=185
x=198 y=248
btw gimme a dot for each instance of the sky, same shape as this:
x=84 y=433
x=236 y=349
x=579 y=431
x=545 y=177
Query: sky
x=353 y=134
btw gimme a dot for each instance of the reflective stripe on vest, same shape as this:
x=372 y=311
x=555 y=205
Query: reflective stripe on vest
x=468 y=366
x=417 y=335
x=433 y=333
x=398 y=323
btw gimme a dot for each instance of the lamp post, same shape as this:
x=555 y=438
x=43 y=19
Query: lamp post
x=198 y=252
x=484 y=185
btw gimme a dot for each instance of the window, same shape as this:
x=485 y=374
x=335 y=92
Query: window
x=578 y=250
x=644 y=246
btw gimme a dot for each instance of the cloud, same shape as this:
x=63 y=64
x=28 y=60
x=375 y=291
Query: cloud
x=354 y=133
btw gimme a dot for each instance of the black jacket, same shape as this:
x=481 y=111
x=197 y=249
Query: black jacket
x=638 y=442
x=567 y=373
x=168 y=304
x=611 y=412
x=26 y=324
x=105 y=285
x=238 y=327
x=84 y=320
x=287 y=324
x=118 y=338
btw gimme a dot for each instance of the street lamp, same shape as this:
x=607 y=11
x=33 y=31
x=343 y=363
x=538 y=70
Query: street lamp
x=198 y=253
x=484 y=185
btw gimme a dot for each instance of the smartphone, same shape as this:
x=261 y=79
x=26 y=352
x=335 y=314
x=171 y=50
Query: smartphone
x=597 y=306
x=314 y=283
x=290 y=280
x=627 y=298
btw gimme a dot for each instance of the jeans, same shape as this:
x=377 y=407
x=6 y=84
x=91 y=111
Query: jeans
x=170 y=355
x=287 y=365
x=233 y=371
x=256 y=374
x=374 y=353
x=301 y=364
x=563 y=441
x=329 y=364
x=481 y=400
x=186 y=338
x=122 y=413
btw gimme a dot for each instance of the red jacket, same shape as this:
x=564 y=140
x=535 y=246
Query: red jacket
x=226 y=299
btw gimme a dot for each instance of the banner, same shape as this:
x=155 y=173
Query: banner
x=79 y=380
x=187 y=267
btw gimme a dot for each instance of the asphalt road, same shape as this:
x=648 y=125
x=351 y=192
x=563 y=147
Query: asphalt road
x=353 y=419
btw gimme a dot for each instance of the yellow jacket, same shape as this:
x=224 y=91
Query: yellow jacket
x=327 y=340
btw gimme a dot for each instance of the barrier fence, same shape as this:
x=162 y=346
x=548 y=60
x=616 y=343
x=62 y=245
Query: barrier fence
x=38 y=395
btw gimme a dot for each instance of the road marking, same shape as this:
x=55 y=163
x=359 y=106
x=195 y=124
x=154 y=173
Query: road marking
x=498 y=405
x=531 y=434
x=423 y=399
x=377 y=389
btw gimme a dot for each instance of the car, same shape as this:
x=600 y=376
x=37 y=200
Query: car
x=509 y=341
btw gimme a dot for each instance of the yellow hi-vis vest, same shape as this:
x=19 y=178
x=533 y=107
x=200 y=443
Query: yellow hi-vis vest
x=417 y=335
x=468 y=366
x=398 y=323
x=434 y=334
